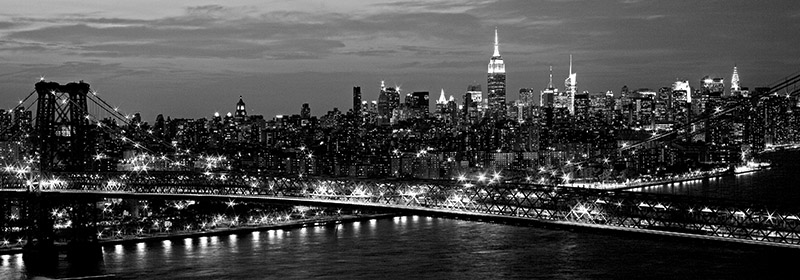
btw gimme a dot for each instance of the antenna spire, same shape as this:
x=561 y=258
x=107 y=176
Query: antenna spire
x=550 y=85
x=496 y=43
x=570 y=64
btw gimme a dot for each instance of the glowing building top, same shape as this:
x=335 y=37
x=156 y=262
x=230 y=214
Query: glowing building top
x=496 y=64
x=442 y=99
x=571 y=84
x=735 y=80
x=240 y=108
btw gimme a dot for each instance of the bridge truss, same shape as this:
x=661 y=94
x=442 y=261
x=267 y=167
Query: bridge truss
x=687 y=215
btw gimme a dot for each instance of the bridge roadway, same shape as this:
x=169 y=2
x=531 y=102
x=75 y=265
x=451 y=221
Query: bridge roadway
x=548 y=206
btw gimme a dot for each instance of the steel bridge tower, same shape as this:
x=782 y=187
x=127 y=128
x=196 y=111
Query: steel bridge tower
x=62 y=126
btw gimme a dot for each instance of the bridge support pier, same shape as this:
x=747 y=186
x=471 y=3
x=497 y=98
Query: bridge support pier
x=83 y=246
x=40 y=252
x=5 y=213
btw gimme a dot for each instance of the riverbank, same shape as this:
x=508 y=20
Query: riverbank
x=693 y=176
x=130 y=239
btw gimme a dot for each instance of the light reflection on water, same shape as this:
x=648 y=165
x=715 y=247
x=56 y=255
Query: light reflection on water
x=777 y=186
x=431 y=248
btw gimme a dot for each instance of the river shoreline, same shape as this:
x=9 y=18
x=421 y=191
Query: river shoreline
x=224 y=231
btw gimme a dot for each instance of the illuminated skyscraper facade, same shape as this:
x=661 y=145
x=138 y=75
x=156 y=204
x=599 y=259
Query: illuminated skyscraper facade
x=496 y=86
x=735 y=88
x=241 y=112
x=388 y=101
x=571 y=85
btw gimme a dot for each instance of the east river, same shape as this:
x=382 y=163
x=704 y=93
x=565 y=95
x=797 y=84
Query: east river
x=416 y=247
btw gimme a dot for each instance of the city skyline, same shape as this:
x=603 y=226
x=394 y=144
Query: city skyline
x=196 y=60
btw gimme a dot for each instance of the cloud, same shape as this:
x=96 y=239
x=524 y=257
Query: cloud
x=6 y=25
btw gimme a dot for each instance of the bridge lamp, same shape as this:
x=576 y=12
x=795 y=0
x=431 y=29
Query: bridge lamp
x=5 y=242
x=462 y=178
x=496 y=176
x=566 y=178
x=481 y=177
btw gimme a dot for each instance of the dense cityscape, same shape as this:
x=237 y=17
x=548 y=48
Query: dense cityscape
x=544 y=134
x=129 y=155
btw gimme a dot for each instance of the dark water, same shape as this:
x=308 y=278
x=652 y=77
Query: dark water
x=777 y=186
x=431 y=248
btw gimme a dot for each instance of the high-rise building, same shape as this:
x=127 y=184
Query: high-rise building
x=496 y=86
x=388 y=101
x=735 y=88
x=571 y=85
x=418 y=104
x=712 y=86
x=357 y=100
x=441 y=105
x=305 y=111
x=241 y=112
x=548 y=94
x=473 y=101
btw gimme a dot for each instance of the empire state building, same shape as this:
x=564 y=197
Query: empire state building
x=496 y=87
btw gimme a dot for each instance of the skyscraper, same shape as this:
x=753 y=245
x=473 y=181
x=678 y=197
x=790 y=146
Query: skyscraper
x=571 y=85
x=418 y=103
x=472 y=103
x=305 y=111
x=357 y=100
x=496 y=86
x=441 y=105
x=388 y=101
x=241 y=112
x=735 y=88
x=547 y=98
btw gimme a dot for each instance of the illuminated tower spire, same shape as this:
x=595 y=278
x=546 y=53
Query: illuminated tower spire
x=496 y=83
x=572 y=87
x=496 y=44
x=442 y=99
x=735 y=80
x=383 y=86
x=570 y=64
x=550 y=84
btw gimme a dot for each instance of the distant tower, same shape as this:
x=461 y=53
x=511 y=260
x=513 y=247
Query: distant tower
x=547 y=96
x=735 y=81
x=305 y=111
x=388 y=101
x=240 y=108
x=496 y=86
x=572 y=88
x=357 y=100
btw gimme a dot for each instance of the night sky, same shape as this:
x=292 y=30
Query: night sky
x=192 y=58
